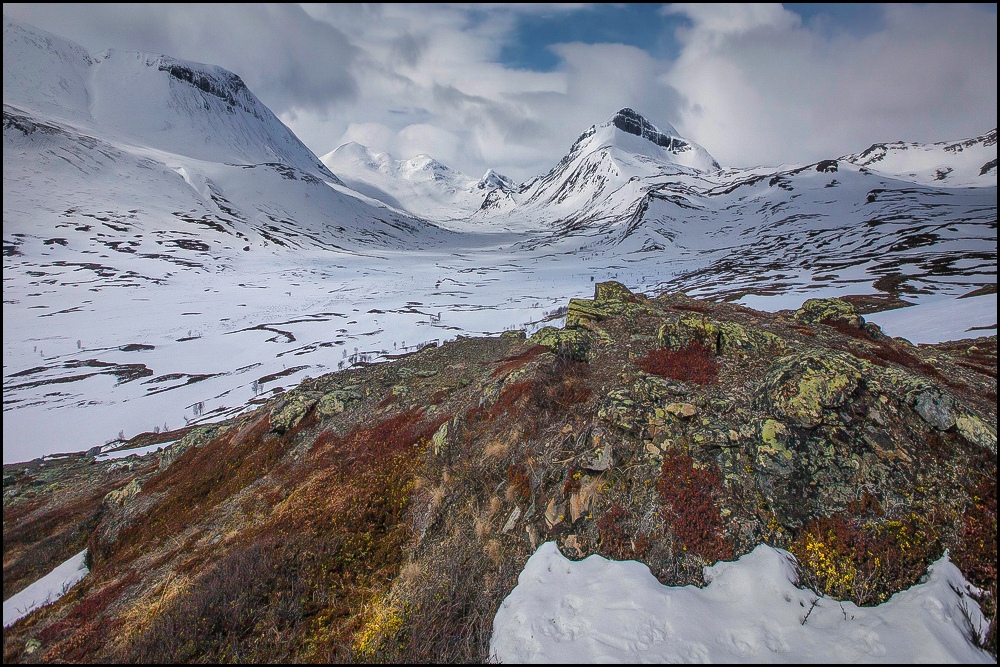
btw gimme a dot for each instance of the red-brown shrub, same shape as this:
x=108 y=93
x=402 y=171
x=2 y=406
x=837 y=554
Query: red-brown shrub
x=692 y=307
x=688 y=506
x=616 y=540
x=977 y=554
x=862 y=560
x=692 y=363
x=520 y=481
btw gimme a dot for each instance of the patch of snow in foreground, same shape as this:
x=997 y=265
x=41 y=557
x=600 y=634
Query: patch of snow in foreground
x=46 y=590
x=596 y=610
x=939 y=321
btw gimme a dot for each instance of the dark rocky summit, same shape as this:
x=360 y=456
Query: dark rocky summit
x=383 y=513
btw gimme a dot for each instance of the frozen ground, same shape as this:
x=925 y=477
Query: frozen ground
x=751 y=611
x=939 y=320
x=82 y=365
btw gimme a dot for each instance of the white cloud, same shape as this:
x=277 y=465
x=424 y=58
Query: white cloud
x=763 y=88
x=754 y=84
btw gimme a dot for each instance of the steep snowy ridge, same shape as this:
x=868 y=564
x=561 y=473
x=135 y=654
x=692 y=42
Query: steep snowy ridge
x=604 y=177
x=950 y=164
x=190 y=109
x=199 y=142
x=45 y=74
x=421 y=185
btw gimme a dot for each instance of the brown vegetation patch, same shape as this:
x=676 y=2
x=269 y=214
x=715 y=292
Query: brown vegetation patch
x=616 y=540
x=865 y=559
x=976 y=555
x=692 y=363
x=692 y=307
x=689 y=508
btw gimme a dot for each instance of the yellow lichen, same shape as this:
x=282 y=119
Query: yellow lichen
x=384 y=619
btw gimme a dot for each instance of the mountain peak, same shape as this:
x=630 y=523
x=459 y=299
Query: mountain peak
x=491 y=180
x=630 y=121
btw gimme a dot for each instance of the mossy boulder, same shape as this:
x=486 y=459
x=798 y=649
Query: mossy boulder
x=290 y=411
x=801 y=387
x=735 y=338
x=817 y=311
x=977 y=431
x=583 y=313
x=121 y=497
x=574 y=343
x=612 y=292
x=335 y=402
x=681 y=331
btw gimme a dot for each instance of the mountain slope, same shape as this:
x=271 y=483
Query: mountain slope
x=604 y=176
x=967 y=163
x=193 y=124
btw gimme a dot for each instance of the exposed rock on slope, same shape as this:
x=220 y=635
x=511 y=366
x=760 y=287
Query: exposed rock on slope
x=383 y=513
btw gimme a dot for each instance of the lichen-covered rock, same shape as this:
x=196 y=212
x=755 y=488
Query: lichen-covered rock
x=194 y=438
x=935 y=407
x=289 y=412
x=680 y=331
x=735 y=338
x=800 y=387
x=622 y=411
x=583 y=313
x=612 y=291
x=335 y=402
x=816 y=311
x=776 y=448
x=977 y=431
x=652 y=389
x=574 y=343
x=516 y=334
x=121 y=497
x=446 y=434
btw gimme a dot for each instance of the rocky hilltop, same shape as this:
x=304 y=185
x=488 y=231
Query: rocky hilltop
x=382 y=513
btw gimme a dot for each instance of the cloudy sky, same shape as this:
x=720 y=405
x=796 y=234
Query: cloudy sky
x=512 y=86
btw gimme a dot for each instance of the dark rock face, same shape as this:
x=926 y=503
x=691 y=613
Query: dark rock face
x=629 y=121
x=227 y=86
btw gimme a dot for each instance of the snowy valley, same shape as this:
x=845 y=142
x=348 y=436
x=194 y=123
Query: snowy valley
x=173 y=256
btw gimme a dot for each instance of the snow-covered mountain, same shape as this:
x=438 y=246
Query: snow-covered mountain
x=421 y=185
x=950 y=164
x=174 y=147
x=606 y=172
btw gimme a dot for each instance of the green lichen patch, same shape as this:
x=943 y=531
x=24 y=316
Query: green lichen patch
x=801 y=387
x=572 y=343
x=817 y=311
x=679 y=332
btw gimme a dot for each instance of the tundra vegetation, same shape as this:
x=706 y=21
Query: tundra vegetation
x=382 y=513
